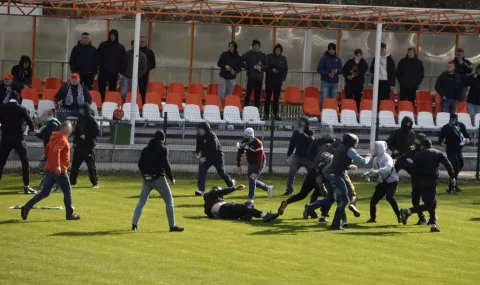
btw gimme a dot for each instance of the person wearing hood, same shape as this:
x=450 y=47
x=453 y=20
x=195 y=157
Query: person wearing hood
x=9 y=90
x=22 y=73
x=410 y=74
x=473 y=99
x=69 y=98
x=276 y=74
x=300 y=141
x=256 y=63
x=127 y=72
x=230 y=64
x=354 y=73
x=387 y=74
x=84 y=142
x=449 y=86
x=13 y=116
x=209 y=153
x=111 y=59
x=454 y=136
x=155 y=168
x=426 y=164
x=330 y=68
x=83 y=60
x=151 y=63
x=387 y=184
x=253 y=147
x=401 y=140
x=216 y=207
x=49 y=125
x=464 y=68
x=56 y=172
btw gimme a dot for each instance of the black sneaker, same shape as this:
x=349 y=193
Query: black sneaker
x=134 y=228
x=270 y=217
x=345 y=225
x=29 y=190
x=282 y=207
x=431 y=223
x=421 y=222
x=73 y=217
x=176 y=229
x=323 y=220
x=355 y=211
x=404 y=216
x=371 y=221
x=458 y=190
x=313 y=215
x=306 y=212
x=336 y=228
x=451 y=190
x=24 y=213
x=434 y=229
x=287 y=193
x=198 y=193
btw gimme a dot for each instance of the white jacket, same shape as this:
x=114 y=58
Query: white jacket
x=384 y=163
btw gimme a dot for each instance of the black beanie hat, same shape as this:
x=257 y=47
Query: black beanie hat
x=159 y=136
x=332 y=46
x=256 y=42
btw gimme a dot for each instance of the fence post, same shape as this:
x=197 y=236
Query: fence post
x=477 y=174
x=377 y=127
x=270 y=157
x=165 y=122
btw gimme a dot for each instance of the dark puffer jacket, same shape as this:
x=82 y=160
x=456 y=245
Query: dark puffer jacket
x=251 y=59
x=83 y=59
x=410 y=72
x=231 y=59
x=111 y=55
x=401 y=140
x=208 y=145
x=278 y=63
x=21 y=74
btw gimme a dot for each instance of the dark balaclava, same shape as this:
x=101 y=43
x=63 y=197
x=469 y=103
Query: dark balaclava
x=453 y=119
x=159 y=136
x=407 y=124
x=419 y=140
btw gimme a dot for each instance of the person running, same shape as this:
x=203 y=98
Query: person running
x=154 y=166
x=253 y=147
x=387 y=181
x=56 y=172
x=49 y=125
x=401 y=140
x=209 y=153
x=216 y=207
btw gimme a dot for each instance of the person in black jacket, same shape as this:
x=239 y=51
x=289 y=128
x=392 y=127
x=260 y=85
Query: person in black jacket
x=387 y=74
x=464 y=68
x=83 y=60
x=449 y=86
x=255 y=62
x=230 y=64
x=70 y=96
x=401 y=140
x=22 y=73
x=111 y=57
x=299 y=142
x=410 y=74
x=49 y=125
x=151 y=63
x=276 y=73
x=354 y=72
x=473 y=99
x=12 y=117
x=426 y=164
x=9 y=90
x=84 y=142
x=454 y=136
x=154 y=166
x=216 y=207
x=209 y=153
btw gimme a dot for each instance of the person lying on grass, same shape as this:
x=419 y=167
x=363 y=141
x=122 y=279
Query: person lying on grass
x=216 y=206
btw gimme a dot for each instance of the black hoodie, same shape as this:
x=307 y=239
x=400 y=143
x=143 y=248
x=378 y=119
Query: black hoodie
x=301 y=142
x=252 y=58
x=464 y=68
x=111 y=55
x=208 y=145
x=474 y=92
x=453 y=134
x=410 y=72
x=231 y=59
x=279 y=63
x=402 y=139
x=214 y=196
x=449 y=85
x=12 y=119
x=21 y=74
x=87 y=126
x=154 y=162
x=83 y=59
x=352 y=68
x=427 y=162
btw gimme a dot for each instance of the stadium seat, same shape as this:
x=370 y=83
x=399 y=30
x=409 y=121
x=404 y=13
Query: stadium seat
x=349 y=104
x=213 y=89
x=424 y=96
x=311 y=107
x=196 y=88
x=403 y=114
x=329 y=103
x=425 y=120
x=127 y=110
x=405 y=106
x=330 y=117
x=195 y=99
x=424 y=106
x=175 y=98
x=365 y=104
x=387 y=119
x=192 y=113
x=157 y=87
x=128 y=99
x=214 y=100
x=45 y=105
x=293 y=95
x=366 y=118
x=348 y=117
x=211 y=114
x=29 y=105
x=233 y=101
x=37 y=83
x=113 y=96
x=462 y=107
x=172 y=113
x=466 y=119
x=438 y=103
x=95 y=85
x=388 y=105
x=367 y=94
x=476 y=121
x=237 y=91
x=30 y=94
x=94 y=108
x=154 y=98
x=231 y=115
x=251 y=116
x=107 y=110
x=53 y=83
x=49 y=94
x=96 y=97
x=442 y=119
x=176 y=87
x=311 y=92
x=151 y=113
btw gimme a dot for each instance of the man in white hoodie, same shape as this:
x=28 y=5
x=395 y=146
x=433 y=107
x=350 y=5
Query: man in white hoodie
x=387 y=181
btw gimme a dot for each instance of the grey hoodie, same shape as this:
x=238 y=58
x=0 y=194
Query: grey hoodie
x=384 y=163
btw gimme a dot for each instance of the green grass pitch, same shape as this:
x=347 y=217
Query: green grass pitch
x=101 y=249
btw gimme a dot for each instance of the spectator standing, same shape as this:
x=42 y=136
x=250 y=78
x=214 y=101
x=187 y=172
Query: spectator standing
x=463 y=67
x=127 y=72
x=410 y=74
x=151 y=64
x=22 y=73
x=330 y=67
x=230 y=64
x=354 y=73
x=449 y=86
x=276 y=73
x=83 y=60
x=9 y=90
x=387 y=73
x=256 y=63
x=473 y=99
x=69 y=98
x=111 y=57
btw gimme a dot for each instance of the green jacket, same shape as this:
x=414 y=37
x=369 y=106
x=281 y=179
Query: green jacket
x=142 y=64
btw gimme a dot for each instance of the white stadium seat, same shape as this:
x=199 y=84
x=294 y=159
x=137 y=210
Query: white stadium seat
x=442 y=119
x=231 y=114
x=211 y=114
x=151 y=113
x=404 y=114
x=366 y=118
x=173 y=114
x=476 y=120
x=127 y=110
x=425 y=121
x=251 y=116
x=387 y=120
x=29 y=105
x=349 y=118
x=466 y=120
x=45 y=105
x=192 y=114
x=107 y=110
x=94 y=107
x=330 y=117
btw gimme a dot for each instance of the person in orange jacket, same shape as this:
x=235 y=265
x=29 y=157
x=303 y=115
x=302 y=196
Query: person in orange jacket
x=56 y=172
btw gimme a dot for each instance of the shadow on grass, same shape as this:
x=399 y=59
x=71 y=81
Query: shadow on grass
x=189 y=206
x=197 y=217
x=11 y=222
x=87 y=234
x=476 y=219
x=10 y=192
x=353 y=233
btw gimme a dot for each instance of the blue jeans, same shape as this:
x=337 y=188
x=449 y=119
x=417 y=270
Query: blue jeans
x=473 y=109
x=341 y=195
x=450 y=105
x=328 y=90
x=124 y=87
x=219 y=166
x=50 y=179
x=463 y=94
x=252 y=184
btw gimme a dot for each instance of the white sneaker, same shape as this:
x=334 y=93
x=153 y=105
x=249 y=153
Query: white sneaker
x=250 y=201
x=96 y=186
x=233 y=182
x=270 y=191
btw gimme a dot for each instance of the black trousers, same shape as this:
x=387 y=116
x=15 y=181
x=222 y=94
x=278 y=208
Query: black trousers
x=382 y=190
x=456 y=159
x=234 y=211
x=408 y=94
x=309 y=185
x=143 y=87
x=87 y=80
x=429 y=198
x=354 y=91
x=256 y=86
x=274 y=88
x=21 y=148
x=416 y=195
x=105 y=78
x=383 y=90
x=81 y=154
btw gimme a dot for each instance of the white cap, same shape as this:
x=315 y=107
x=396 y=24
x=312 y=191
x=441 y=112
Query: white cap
x=249 y=132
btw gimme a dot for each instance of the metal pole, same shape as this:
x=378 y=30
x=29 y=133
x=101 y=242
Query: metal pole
x=136 y=51
x=373 y=127
x=270 y=157
x=477 y=170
